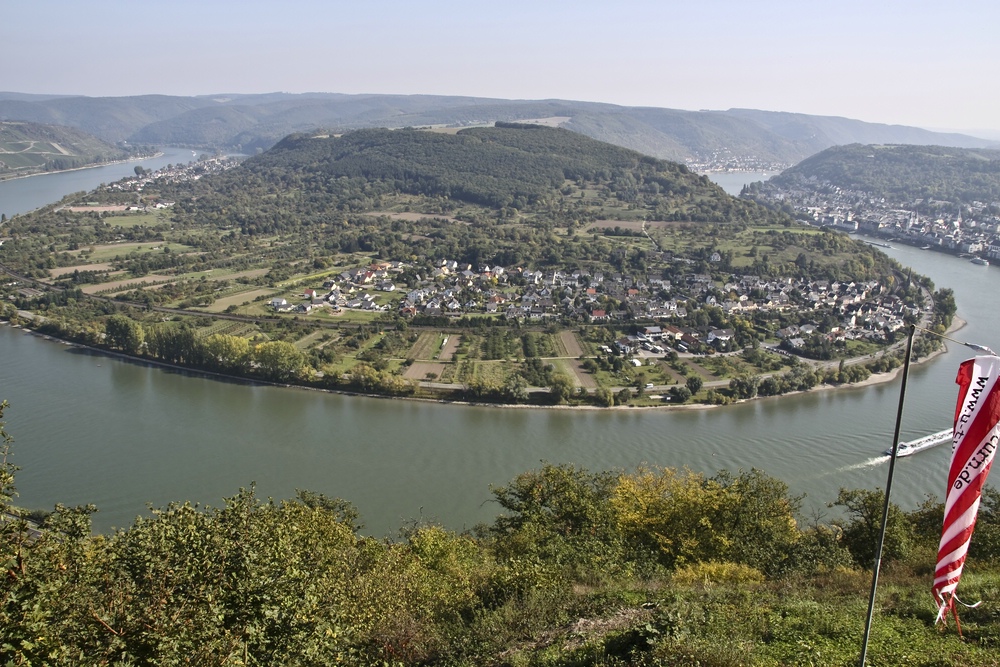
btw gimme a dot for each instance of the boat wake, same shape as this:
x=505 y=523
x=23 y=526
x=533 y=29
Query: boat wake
x=870 y=463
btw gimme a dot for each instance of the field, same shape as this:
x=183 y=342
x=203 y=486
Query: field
x=311 y=340
x=574 y=369
x=570 y=344
x=427 y=346
x=238 y=299
x=630 y=225
x=104 y=253
x=29 y=154
x=449 y=348
x=412 y=217
x=66 y=270
x=139 y=219
x=128 y=283
x=227 y=328
x=420 y=370
x=95 y=209
x=490 y=372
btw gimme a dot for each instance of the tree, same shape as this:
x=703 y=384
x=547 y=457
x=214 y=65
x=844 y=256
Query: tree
x=124 y=333
x=560 y=511
x=670 y=511
x=680 y=394
x=604 y=397
x=278 y=360
x=860 y=532
x=758 y=519
x=744 y=386
x=694 y=384
x=230 y=354
x=560 y=387
x=516 y=388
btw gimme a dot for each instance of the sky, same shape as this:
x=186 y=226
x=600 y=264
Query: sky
x=929 y=64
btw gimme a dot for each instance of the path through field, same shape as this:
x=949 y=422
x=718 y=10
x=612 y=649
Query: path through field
x=450 y=347
x=571 y=343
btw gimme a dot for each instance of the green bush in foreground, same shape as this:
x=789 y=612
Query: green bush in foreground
x=650 y=567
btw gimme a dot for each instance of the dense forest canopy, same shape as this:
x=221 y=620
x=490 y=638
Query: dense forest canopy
x=495 y=167
x=526 y=167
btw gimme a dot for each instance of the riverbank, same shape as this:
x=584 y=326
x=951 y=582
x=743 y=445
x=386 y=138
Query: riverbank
x=96 y=165
x=874 y=379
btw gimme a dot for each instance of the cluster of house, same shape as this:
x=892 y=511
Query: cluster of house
x=453 y=289
x=177 y=173
x=967 y=228
x=725 y=160
x=654 y=340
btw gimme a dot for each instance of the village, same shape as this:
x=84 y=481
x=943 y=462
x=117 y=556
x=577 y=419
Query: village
x=198 y=168
x=693 y=314
x=971 y=229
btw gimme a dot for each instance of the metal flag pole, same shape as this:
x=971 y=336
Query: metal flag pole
x=885 y=505
x=975 y=346
x=888 y=483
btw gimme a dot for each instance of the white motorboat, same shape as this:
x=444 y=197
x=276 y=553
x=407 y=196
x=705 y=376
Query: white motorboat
x=920 y=444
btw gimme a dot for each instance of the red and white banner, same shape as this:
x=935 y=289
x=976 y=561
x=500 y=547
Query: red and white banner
x=974 y=444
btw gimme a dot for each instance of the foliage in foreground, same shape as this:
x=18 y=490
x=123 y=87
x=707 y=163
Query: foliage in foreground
x=651 y=567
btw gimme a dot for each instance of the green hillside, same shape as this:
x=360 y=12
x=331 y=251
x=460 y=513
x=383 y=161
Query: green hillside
x=903 y=173
x=28 y=148
x=526 y=166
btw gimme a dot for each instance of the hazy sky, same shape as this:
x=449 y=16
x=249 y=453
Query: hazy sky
x=931 y=64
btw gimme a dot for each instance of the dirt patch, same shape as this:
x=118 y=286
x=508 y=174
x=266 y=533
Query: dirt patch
x=419 y=370
x=582 y=377
x=65 y=270
x=412 y=217
x=127 y=284
x=571 y=343
x=449 y=348
x=705 y=374
x=96 y=209
x=576 y=635
x=238 y=299
x=631 y=225
x=252 y=273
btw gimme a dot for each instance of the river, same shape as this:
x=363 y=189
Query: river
x=20 y=195
x=733 y=181
x=120 y=434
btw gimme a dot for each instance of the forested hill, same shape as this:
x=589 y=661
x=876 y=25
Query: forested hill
x=508 y=165
x=903 y=173
x=28 y=148
x=516 y=173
